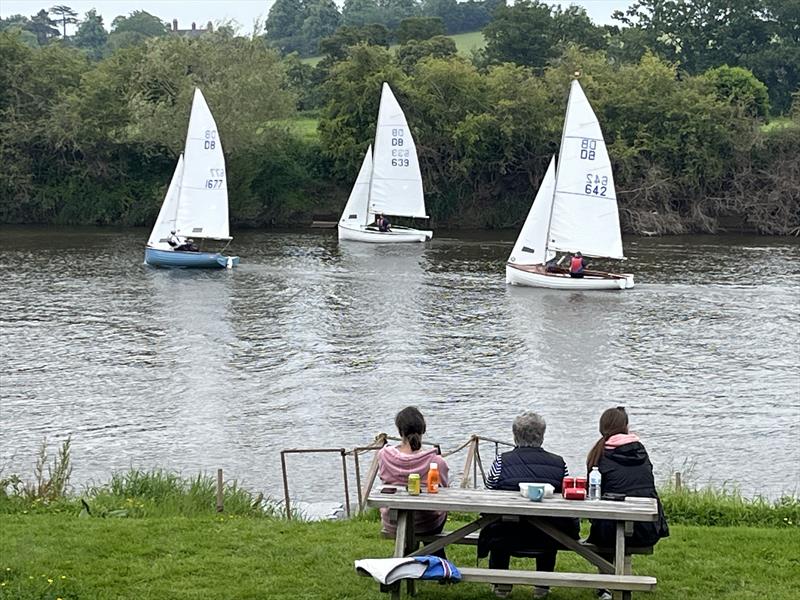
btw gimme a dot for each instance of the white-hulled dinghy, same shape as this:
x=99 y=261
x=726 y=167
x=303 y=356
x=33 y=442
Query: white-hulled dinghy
x=389 y=182
x=575 y=210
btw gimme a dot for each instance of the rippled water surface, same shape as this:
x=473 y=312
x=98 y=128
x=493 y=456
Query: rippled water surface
x=312 y=343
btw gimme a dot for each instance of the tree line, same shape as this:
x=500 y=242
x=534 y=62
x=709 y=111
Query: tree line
x=89 y=134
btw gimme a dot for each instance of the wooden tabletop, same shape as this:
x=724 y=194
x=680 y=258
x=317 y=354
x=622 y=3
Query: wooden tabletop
x=512 y=503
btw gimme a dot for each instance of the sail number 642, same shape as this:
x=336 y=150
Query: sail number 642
x=596 y=185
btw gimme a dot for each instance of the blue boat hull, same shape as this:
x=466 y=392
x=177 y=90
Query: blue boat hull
x=196 y=260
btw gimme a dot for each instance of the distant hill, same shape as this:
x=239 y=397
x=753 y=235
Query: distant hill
x=465 y=43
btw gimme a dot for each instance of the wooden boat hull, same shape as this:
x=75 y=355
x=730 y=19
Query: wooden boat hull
x=536 y=276
x=193 y=260
x=373 y=236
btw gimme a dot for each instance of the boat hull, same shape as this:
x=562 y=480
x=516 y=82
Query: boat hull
x=535 y=276
x=373 y=236
x=194 y=260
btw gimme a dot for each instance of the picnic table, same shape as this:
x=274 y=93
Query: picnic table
x=613 y=564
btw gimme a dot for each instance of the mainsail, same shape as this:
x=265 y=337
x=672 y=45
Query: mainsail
x=396 y=187
x=203 y=204
x=585 y=216
x=531 y=246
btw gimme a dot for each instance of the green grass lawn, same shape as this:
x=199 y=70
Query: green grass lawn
x=50 y=556
x=779 y=123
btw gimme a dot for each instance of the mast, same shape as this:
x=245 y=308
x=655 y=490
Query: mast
x=558 y=171
x=374 y=147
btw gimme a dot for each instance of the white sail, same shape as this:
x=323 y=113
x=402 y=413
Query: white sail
x=396 y=187
x=531 y=246
x=203 y=205
x=356 y=211
x=166 y=216
x=585 y=216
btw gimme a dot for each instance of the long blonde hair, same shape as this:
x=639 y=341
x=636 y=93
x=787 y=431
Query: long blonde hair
x=612 y=422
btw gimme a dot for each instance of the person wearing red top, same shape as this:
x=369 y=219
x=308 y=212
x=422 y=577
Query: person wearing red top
x=576 y=265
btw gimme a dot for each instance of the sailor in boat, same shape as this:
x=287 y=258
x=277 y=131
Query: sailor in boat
x=181 y=244
x=577 y=266
x=383 y=224
x=551 y=266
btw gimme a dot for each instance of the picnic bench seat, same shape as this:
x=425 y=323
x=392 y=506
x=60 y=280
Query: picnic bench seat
x=632 y=583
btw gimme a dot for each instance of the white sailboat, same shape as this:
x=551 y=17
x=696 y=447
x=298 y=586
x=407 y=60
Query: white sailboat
x=196 y=204
x=389 y=182
x=575 y=210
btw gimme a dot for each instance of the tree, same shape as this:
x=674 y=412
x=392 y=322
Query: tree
x=395 y=11
x=67 y=16
x=410 y=53
x=322 y=20
x=42 y=26
x=141 y=22
x=283 y=25
x=739 y=87
x=523 y=33
x=419 y=28
x=572 y=24
x=361 y=12
x=335 y=47
x=91 y=35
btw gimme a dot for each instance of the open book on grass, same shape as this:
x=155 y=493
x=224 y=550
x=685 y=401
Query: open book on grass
x=389 y=570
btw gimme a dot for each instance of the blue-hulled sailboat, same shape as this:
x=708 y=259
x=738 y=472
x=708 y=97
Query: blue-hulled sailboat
x=196 y=204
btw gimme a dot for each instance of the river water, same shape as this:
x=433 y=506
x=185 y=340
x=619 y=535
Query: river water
x=312 y=343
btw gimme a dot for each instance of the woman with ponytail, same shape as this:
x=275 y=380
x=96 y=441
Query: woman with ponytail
x=396 y=463
x=626 y=469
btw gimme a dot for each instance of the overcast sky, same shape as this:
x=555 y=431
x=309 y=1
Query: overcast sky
x=244 y=12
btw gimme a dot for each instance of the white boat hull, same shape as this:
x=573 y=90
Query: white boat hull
x=373 y=236
x=535 y=276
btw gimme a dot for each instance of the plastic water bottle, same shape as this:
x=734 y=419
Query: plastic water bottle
x=594 y=484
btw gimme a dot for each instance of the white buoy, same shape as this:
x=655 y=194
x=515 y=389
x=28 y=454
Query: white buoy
x=229 y=264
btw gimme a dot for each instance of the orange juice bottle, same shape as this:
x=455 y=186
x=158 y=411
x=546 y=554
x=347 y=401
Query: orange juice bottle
x=433 y=478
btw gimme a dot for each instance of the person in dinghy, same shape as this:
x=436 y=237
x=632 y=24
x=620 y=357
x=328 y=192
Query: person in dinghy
x=577 y=266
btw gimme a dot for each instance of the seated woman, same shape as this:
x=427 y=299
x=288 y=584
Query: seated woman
x=626 y=469
x=527 y=462
x=396 y=463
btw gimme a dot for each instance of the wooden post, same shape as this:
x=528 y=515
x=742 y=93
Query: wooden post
x=358 y=481
x=285 y=487
x=380 y=440
x=220 y=491
x=468 y=463
x=678 y=483
x=346 y=483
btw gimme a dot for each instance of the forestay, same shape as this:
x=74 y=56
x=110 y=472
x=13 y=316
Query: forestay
x=203 y=205
x=585 y=216
x=396 y=187
x=531 y=246
x=356 y=211
x=165 y=222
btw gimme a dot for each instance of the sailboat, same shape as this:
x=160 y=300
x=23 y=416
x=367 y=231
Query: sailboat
x=388 y=183
x=575 y=210
x=196 y=204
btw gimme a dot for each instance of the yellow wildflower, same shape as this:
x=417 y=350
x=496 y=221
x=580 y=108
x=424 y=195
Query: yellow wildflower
x=63 y=577
x=49 y=580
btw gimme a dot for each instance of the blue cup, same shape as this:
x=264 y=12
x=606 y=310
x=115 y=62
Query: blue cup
x=536 y=492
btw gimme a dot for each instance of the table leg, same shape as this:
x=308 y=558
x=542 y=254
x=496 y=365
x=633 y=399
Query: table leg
x=619 y=555
x=411 y=546
x=400 y=542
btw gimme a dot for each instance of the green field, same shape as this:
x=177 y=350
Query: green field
x=50 y=556
x=465 y=44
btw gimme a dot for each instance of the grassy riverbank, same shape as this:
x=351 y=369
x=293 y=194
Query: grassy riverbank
x=155 y=534
x=52 y=556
